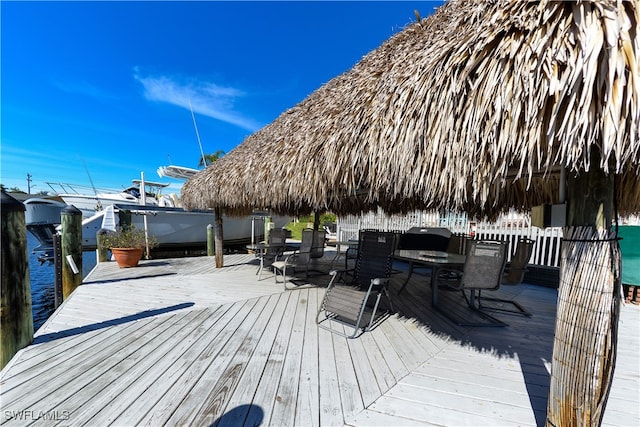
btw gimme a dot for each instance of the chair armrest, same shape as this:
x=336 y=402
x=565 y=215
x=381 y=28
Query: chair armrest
x=379 y=283
x=336 y=274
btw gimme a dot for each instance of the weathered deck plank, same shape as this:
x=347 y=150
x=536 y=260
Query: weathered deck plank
x=178 y=342
x=284 y=406
x=173 y=386
x=207 y=398
x=127 y=378
x=330 y=402
x=308 y=400
x=266 y=389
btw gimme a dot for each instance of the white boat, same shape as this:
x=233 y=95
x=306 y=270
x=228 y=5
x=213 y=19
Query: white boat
x=41 y=216
x=89 y=204
x=177 y=228
x=172 y=226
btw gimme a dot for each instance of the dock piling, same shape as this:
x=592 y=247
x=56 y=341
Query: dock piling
x=102 y=253
x=15 y=314
x=71 y=221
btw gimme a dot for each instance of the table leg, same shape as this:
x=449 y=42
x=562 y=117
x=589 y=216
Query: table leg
x=337 y=256
x=408 y=277
x=259 y=272
x=434 y=286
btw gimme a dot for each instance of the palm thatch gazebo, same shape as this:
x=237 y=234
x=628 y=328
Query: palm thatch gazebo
x=482 y=107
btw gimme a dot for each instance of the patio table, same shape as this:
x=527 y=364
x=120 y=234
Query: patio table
x=435 y=260
x=347 y=244
x=260 y=250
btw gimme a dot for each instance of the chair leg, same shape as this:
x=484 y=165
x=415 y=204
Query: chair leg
x=471 y=302
x=373 y=313
x=519 y=308
x=284 y=274
x=386 y=293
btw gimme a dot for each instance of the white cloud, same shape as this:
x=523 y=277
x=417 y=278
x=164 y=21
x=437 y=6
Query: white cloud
x=208 y=99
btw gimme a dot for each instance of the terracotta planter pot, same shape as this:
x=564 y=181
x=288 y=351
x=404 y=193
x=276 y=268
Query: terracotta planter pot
x=127 y=257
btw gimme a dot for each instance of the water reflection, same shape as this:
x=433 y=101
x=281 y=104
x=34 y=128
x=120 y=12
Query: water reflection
x=42 y=279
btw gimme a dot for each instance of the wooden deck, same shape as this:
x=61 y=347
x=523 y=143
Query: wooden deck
x=178 y=342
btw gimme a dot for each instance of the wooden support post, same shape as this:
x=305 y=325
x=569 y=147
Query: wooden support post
x=584 y=348
x=15 y=314
x=219 y=239
x=590 y=199
x=267 y=228
x=210 y=240
x=102 y=253
x=71 y=222
x=316 y=220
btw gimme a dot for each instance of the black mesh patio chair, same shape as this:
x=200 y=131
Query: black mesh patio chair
x=483 y=270
x=311 y=249
x=274 y=249
x=514 y=275
x=354 y=299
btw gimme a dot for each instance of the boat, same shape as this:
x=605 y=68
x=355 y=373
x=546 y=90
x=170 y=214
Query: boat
x=89 y=204
x=161 y=215
x=177 y=228
x=42 y=215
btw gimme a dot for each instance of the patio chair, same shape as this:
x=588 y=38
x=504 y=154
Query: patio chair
x=275 y=248
x=354 y=299
x=514 y=275
x=458 y=243
x=483 y=270
x=311 y=248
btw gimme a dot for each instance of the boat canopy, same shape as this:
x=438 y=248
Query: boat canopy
x=178 y=172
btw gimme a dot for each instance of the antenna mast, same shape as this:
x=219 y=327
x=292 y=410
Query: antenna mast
x=90 y=180
x=193 y=117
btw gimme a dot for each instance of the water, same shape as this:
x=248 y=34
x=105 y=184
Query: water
x=42 y=277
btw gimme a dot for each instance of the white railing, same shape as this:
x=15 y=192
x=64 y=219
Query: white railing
x=546 y=250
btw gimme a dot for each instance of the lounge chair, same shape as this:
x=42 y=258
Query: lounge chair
x=354 y=299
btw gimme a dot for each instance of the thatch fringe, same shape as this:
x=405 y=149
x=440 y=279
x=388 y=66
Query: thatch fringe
x=463 y=110
x=585 y=337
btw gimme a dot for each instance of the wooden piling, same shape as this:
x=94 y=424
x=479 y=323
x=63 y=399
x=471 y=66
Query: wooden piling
x=71 y=221
x=15 y=314
x=102 y=253
x=57 y=267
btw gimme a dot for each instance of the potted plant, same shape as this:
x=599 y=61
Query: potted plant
x=127 y=244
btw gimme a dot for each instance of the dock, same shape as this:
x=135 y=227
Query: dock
x=179 y=342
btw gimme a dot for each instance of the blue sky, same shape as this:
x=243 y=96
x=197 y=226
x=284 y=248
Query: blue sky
x=100 y=91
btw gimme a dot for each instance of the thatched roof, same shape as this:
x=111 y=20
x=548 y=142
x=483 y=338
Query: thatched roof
x=477 y=107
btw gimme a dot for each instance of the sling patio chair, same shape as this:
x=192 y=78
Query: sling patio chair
x=274 y=248
x=514 y=275
x=311 y=249
x=483 y=271
x=354 y=299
